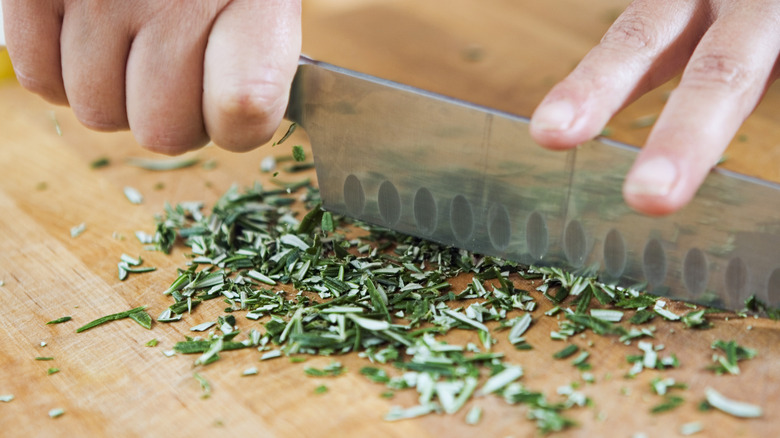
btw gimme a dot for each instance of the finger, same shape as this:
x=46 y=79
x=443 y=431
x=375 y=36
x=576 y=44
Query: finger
x=95 y=42
x=164 y=79
x=251 y=58
x=644 y=48
x=721 y=85
x=33 y=42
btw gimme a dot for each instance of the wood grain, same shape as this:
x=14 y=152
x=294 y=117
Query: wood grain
x=504 y=54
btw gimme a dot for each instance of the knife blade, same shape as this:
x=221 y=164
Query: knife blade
x=471 y=177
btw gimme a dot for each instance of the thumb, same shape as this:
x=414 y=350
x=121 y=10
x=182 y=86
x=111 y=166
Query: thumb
x=250 y=60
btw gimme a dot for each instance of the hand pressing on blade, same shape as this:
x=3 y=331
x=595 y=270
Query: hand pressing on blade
x=728 y=53
x=176 y=73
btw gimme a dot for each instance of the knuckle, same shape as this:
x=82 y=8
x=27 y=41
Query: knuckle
x=251 y=103
x=717 y=71
x=97 y=119
x=169 y=142
x=632 y=32
x=247 y=114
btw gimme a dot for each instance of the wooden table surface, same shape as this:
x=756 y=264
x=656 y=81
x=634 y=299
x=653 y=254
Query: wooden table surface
x=504 y=54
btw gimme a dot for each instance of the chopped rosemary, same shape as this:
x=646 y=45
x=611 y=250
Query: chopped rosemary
x=287 y=134
x=321 y=389
x=474 y=415
x=205 y=386
x=133 y=195
x=298 y=153
x=99 y=162
x=44 y=358
x=157 y=164
x=644 y=121
x=695 y=319
x=57 y=127
x=129 y=265
x=59 y=320
x=670 y=402
x=732 y=407
x=78 y=230
x=136 y=314
x=567 y=351
x=333 y=369
x=691 y=428
x=56 y=412
x=733 y=353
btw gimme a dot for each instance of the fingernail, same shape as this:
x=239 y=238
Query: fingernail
x=655 y=177
x=554 y=116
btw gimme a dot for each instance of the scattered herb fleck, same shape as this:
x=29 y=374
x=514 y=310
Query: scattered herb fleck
x=644 y=121
x=158 y=164
x=287 y=134
x=57 y=128
x=298 y=153
x=474 y=415
x=118 y=316
x=268 y=164
x=128 y=265
x=732 y=407
x=670 y=402
x=695 y=319
x=44 y=358
x=321 y=389
x=691 y=428
x=205 y=386
x=52 y=370
x=733 y=353
x=567 y=351
x=59 y=320
x=100 y=162
x=152 y=342
x=333 y=369
x=133 y=195
x=78 y=230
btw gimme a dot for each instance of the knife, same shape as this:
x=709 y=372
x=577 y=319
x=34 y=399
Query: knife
x=471 y=177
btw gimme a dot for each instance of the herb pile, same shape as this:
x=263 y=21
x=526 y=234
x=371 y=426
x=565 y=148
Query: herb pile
x=388 y=297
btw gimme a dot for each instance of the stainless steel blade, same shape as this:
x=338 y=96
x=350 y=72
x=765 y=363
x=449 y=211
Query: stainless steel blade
x=472 y=177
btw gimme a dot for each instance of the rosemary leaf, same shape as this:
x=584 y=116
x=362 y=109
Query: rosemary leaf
x=59 y=320
x=112 y=317
x=157 y=164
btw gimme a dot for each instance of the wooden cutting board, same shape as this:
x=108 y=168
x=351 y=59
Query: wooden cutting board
x=504 y=54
